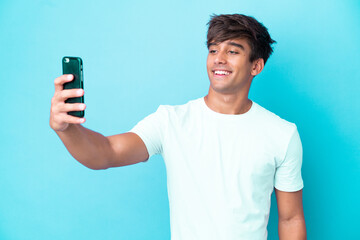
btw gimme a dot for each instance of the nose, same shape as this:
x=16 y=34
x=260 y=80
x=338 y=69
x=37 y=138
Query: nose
x=220 y=58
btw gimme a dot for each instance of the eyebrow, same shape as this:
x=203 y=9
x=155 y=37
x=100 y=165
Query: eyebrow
x=237 y=45
x=229 y=43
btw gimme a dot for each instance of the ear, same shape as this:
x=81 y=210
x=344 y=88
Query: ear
x=257 y=67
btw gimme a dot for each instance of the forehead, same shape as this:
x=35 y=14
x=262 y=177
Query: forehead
x=238 y=42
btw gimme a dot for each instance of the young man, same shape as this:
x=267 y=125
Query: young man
x=224 y=153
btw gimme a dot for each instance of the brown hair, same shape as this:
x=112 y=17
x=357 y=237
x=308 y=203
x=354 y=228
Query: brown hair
x=237 y=26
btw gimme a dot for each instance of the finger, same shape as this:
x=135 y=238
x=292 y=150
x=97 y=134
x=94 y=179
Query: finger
x=69 y=93
x=59 y=81
x=69 y=107
x=73 y=120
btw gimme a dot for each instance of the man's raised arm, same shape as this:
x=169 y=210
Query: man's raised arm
x=90 y=148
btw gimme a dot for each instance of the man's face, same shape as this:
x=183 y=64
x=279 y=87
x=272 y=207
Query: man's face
x=229 y=67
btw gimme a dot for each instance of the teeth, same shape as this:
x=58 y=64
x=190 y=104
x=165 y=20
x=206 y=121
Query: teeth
x=222 y=72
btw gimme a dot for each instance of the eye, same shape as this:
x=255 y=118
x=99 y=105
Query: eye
x=212 y=51
x=233 y=52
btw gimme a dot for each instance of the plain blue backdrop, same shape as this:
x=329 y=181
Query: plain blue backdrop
x=140 y=54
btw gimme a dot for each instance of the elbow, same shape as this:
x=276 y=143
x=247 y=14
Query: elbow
x=293 y=228
x=96 y=165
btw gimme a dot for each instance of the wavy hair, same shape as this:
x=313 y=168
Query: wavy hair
x=238 y=26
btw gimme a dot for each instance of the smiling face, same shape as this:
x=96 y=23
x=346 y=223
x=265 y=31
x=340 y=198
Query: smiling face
x=229 y=67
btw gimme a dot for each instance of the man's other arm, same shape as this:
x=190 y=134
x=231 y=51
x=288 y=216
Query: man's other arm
x=90 y=148
x=291 y=215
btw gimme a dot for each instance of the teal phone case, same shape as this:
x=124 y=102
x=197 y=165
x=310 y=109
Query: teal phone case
x=74 y=66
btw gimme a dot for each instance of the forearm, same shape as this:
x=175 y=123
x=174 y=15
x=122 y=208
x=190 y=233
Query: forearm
x=90 y=148
x=292 y=229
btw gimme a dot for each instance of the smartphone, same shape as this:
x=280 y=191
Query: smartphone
x=74 y=66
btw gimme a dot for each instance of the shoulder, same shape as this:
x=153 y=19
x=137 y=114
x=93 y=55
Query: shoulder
x=179 y=110
x=275 y=131
x=273 y=123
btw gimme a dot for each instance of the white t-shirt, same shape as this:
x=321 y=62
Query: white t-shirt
x=222 y=168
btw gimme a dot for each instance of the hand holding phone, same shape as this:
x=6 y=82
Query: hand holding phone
x=67 y=104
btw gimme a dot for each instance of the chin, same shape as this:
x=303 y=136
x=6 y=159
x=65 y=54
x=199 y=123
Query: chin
x=222 y=89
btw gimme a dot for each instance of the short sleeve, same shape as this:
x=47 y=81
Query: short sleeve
x=150 y=130
x=288 y=173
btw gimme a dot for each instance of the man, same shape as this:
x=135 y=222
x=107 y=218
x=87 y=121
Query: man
x=224 y=153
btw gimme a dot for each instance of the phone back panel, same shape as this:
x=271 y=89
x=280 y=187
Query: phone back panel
x=73 y=65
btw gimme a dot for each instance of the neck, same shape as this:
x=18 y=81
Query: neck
x=236 y=103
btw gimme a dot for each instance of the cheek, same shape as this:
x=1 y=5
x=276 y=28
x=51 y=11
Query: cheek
x=208 y=65
x=241 y=67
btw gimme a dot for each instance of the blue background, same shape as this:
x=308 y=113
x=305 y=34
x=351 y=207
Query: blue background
x=140 y=54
